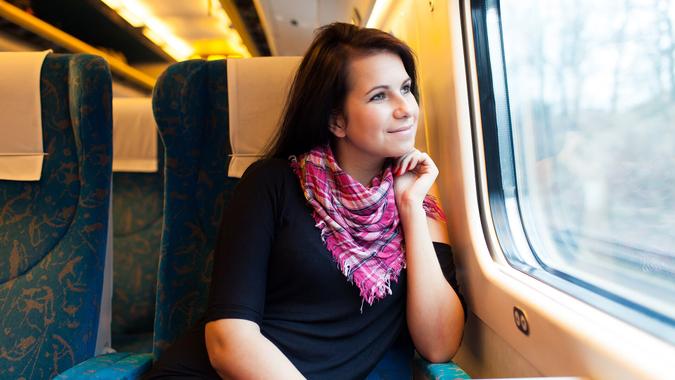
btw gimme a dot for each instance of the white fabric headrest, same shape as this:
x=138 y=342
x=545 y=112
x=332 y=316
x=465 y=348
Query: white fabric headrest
x=134 y=135
x=21 y=150
x=257 y=91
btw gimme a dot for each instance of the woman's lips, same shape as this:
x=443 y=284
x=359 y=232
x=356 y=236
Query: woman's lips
x=402 y=129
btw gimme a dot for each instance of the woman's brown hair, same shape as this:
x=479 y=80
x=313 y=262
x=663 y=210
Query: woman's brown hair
x=321 y=83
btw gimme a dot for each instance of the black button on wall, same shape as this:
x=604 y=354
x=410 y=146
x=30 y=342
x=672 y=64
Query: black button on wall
x=521 y=321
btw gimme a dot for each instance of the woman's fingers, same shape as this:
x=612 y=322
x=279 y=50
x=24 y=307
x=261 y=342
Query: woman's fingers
x=403 y=162
x=412 y=161
x=423 y=173
x=427 y=165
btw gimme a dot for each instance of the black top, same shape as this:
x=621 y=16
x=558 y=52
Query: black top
x=272 y=268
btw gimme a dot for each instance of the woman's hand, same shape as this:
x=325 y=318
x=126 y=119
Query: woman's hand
x=414 y=173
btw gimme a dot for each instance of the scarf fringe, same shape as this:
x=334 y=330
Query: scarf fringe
x=432 y=209
x=382 y=286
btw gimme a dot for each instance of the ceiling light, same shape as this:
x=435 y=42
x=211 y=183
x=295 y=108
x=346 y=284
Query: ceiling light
x=112 y=4
x=137 y=15
x=140 y=14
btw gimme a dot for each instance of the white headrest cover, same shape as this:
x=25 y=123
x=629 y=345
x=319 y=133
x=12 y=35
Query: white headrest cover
x=257 y=91
x=21 y=150
x=134 y=135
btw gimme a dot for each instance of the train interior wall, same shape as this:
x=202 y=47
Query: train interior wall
x=568 y=337
x=442 y=131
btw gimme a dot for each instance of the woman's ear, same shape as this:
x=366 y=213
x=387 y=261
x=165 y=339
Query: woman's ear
x=337 y=125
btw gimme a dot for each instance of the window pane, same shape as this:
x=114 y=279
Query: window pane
x=591 y=89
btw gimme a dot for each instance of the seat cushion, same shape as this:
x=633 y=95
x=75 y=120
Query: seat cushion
x=117 y=366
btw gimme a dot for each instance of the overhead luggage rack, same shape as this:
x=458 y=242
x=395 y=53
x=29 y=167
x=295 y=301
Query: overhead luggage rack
x=27 y=27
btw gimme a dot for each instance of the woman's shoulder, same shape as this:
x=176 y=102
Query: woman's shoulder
x=267 y=165
x=271 y=171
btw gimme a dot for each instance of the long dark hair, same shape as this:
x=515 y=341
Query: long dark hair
x=321 y=83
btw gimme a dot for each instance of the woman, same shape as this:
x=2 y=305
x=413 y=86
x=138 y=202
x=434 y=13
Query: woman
x=312 y=276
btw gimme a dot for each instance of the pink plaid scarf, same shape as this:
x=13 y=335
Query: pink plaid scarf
x=359 y=225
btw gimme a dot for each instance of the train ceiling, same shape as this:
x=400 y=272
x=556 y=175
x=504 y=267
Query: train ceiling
x=289 y=24
x=155 y=31
x=163 y=31
x=139 y=38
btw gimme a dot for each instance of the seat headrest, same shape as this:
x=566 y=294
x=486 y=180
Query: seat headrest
x=134 y=135
x=21 y=150
x=257 y=91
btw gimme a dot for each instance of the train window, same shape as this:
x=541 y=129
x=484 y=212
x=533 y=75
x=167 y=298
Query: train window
x=577 y=104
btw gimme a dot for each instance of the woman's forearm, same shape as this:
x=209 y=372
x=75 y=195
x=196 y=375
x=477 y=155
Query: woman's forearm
x=434 y=312
x=237 y=350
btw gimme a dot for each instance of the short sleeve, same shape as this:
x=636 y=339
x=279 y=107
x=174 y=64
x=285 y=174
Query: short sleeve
x=445 y=259
x=238 y=282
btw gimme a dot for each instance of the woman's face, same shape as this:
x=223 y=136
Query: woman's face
x=380 y=113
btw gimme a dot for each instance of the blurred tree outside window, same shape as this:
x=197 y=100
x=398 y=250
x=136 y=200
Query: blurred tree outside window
x=591 y=88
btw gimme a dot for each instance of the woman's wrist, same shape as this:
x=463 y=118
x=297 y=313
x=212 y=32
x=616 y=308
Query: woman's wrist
x=408 y=208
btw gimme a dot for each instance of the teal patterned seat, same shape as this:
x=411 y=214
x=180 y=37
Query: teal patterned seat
x=191 y=110
x=138 y=202
x=190 y=107
x=53 y=232
x=438 y=371
x=116 y=366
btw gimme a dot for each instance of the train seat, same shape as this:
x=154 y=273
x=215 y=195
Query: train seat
x=194 y=114
x=54 y=229
x=138 y=199
x=191 y=109
x=190 y=106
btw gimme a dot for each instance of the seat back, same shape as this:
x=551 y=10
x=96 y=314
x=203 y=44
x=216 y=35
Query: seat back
x=54 y=232
x=192 y=113
x=138 y=201
x=191 y=108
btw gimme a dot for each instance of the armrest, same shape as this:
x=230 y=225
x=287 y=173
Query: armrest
x=438 y=371
x=119 y=365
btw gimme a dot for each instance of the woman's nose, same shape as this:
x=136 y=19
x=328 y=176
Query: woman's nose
x=403 y=109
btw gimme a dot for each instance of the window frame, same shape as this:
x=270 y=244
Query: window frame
x=502 y=218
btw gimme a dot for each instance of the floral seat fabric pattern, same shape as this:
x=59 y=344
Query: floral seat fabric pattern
x=191 y=109
x=53 y=232
x=138 y=203
x=116 y=366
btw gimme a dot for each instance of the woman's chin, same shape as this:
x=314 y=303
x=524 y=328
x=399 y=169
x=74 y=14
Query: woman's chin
x=398 y=151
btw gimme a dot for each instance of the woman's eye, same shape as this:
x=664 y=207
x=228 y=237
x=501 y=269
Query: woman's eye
x=405 y=89
x=378 y=96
